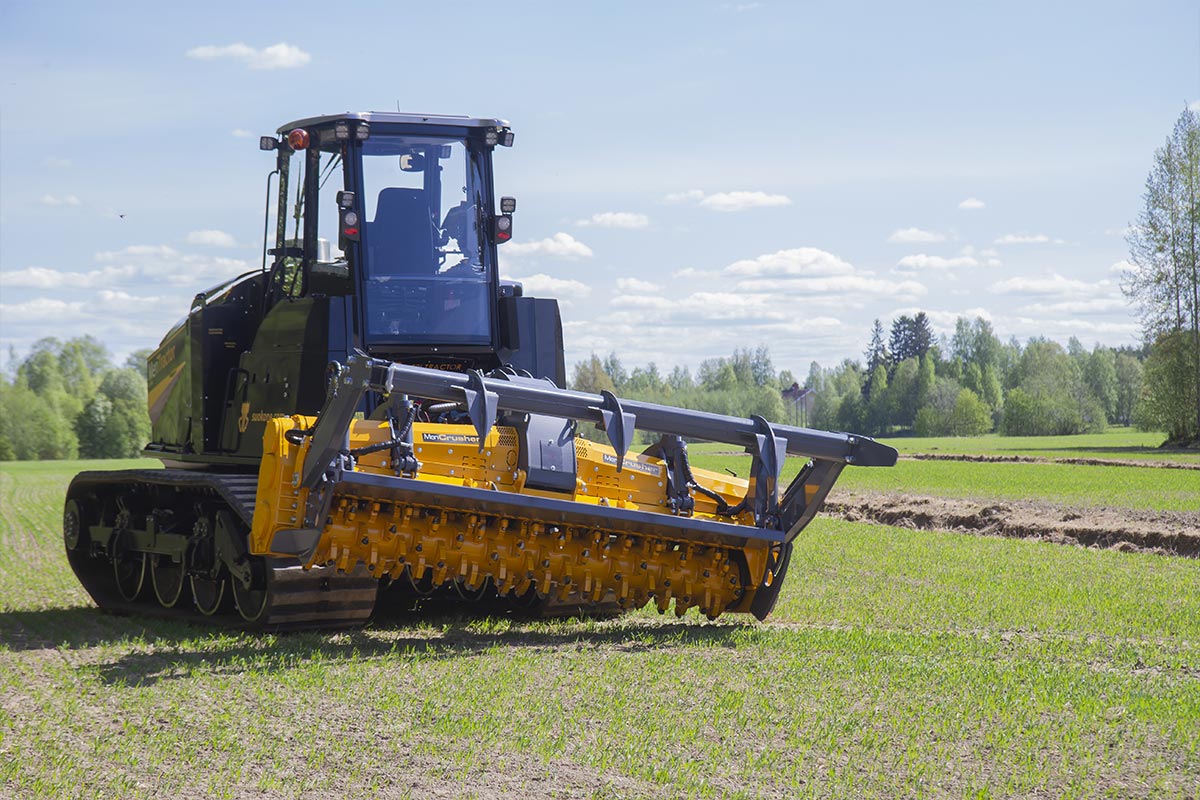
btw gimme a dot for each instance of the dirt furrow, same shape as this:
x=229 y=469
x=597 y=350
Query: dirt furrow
x=1164 y=532
x=989 y=458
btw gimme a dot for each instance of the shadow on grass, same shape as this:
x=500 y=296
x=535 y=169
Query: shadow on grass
x=155 y=650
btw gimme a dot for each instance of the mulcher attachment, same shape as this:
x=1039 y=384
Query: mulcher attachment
x=517 y=501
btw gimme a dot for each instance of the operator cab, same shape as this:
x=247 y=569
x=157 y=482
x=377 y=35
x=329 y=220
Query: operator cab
x=394 y=212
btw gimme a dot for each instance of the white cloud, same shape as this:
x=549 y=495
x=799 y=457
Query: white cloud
x=847 y=285
x=130 y=298
x=684 y=197
x=740 y=201
x=637 y=285
x=549 y=286
x=690 y=273
x=44 y=278
x=616 y=219
x=56 y=200
x=210 y=238
x=1073 y=326
x=165 y=264
x=1054 y=285
x=241 y=133
x=39 y=309
x=277 y=56
x=138 y=251
x=921 y=261
x=116 y=300
x=1023 y=238
x=1194 y=105
x=972 y=204
x=560 y=245
x=915 y=236
x=729 y=201
x=1122 y=266
x=806 y=261
x=940 y=321
x=779 y=297
x=1099 y=305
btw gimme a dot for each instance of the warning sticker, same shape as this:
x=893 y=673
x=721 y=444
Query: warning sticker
x=636 y=466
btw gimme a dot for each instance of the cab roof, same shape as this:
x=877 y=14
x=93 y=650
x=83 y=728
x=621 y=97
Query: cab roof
x=396 y=118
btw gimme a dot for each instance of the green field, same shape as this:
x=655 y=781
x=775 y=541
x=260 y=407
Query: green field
x=1117 y=443
x=1146 y=488
x=899 y=663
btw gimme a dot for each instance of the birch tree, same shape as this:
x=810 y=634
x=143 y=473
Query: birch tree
x=1164 y=247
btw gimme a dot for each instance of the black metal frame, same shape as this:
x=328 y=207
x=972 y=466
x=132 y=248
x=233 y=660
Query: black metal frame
x=329 y=460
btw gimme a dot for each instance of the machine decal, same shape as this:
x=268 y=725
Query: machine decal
x=449 y=438
x=161 y=392
x=636 y=466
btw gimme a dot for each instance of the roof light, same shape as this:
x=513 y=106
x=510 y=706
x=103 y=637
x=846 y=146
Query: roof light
x=362 y=131
x=298 y=139
x=508 y=205
x=507 y=139
x=341 y=130
x=491 y=137
x=268 y=143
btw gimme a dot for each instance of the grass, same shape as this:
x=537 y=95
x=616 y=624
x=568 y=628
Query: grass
x=898 y=663
x=1073 y=485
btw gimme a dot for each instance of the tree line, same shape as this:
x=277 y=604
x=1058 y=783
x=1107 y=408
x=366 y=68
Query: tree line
x=68 y=400
x=910 y=381
x=972 y=383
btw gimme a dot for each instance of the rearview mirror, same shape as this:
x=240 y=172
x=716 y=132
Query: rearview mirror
x=412 y=162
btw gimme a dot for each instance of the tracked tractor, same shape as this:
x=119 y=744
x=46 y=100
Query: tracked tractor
x=375 y=407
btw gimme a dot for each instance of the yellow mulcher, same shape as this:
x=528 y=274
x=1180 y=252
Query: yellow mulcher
x=387 y=413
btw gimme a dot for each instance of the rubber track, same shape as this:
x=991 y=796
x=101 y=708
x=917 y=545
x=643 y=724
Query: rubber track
x=298 y=599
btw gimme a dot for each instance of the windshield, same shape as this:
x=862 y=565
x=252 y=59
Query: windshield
x=426 y=274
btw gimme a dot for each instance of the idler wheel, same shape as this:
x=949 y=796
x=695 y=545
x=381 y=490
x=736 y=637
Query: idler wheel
x=73 y=522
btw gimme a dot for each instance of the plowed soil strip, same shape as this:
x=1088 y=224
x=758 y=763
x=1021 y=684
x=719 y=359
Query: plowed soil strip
x=1163 y=532
x=1087 y=462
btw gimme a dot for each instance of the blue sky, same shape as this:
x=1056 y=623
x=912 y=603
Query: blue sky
x=692 y=177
